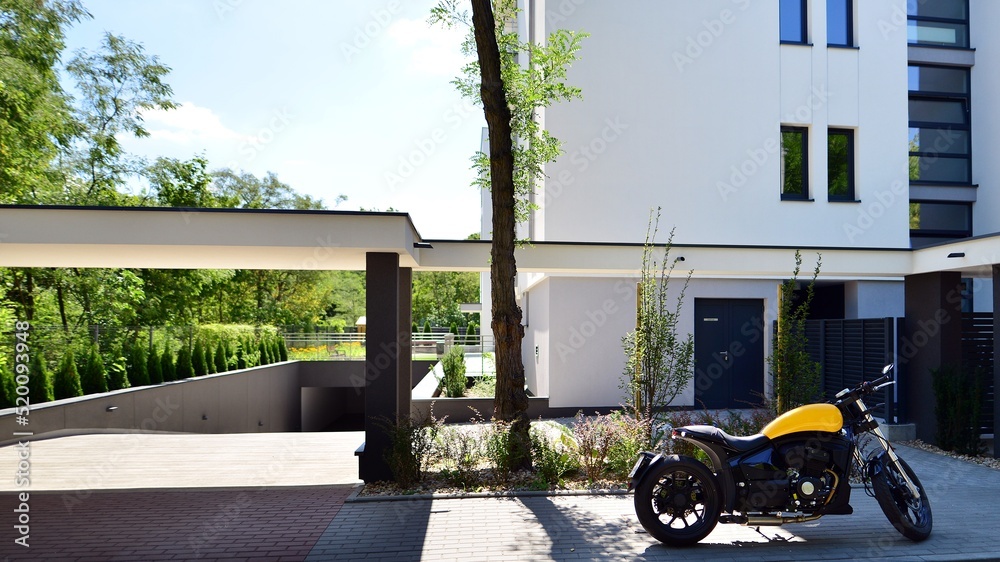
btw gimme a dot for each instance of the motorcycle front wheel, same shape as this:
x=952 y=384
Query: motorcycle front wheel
x=910 y=516
x=678 y=502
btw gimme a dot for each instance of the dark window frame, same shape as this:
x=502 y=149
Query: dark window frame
x=849 y=5
x=964 y=22
x=804 y=194
x=803 y=27
x=965 y=126
x=851 y=195
x=928 y=233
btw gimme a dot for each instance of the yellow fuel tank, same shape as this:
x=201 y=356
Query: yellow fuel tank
x=812 y=417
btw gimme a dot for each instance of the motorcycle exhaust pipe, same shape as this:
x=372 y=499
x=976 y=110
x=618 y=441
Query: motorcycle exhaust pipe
x=771 y=520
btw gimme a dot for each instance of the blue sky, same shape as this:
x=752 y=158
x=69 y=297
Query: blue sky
x=334 y=96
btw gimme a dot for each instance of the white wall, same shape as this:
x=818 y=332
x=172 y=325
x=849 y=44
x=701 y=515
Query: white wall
x=680 y=95
x=586 y=360
x=983 y=16
x=536 y=333
x=874 y=299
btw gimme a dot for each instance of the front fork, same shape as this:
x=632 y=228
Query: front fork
x=884 y=443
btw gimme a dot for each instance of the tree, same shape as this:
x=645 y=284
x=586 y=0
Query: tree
x=39 y=381
x=138 y=368
x=659 y=359
x=198 y=360
x=247 y=191
x=36 y=121
x=210 y=360
x=154 y=366
x=282 y=349
x=118 y=374
x=796 y=376
x=67 y=379
x=181 y=184
x=511 y=95
x=184 y=369
x=94 y=378
x=221 y=358
x=116 y=85
x=438 y=294
x=167 y=368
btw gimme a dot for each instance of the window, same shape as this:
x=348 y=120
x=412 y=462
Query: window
x=794 y=163
x=840 y=23
x=939 y=140
x=793 y=21
x=940 y=219
x=942 y=23
x=840 y=165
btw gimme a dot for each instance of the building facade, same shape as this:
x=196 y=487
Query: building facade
x=796 y=124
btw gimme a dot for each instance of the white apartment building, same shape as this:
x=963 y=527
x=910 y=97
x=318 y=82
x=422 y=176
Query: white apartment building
x=785 y=124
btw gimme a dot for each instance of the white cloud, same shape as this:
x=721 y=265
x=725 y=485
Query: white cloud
x=432 y=50
x=188 y=124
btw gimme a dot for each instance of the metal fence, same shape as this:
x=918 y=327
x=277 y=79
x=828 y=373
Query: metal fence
x=977 y=354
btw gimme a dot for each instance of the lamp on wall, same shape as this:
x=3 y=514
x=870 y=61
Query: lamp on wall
x=956 y=255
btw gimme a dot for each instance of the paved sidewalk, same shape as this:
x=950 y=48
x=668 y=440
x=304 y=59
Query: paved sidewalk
x=964 y=499
x=313 y=523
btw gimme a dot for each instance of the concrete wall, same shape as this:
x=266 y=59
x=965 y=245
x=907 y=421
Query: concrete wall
x=697 y=129
x=261 y=399
x=873 y=299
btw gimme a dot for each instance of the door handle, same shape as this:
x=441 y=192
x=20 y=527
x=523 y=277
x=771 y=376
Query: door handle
x=724 y=355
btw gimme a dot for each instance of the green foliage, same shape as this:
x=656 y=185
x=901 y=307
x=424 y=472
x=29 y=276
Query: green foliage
x=554 y=451
x=39 y=381
x=411 y=444
x=958 y=411
x=94 y=378
x=528 y=89
x=221 y=358
x=427 y=326
x=67 y=380
x=462 y=450
x=184 y=368
x=501 y=450
x=594 y=435
x=138 y=366
x=796 y=376
x=453 y=364
x=659 y=359
x=438 y=294
x=199 y=360
x=265 y=358
x=632 y=436
x=167 y=368
x=282 y=350
x=154 y=366
x=8 y=387
x=453 y=329
x=210 y=367
x=241 y=362
x=118 y=374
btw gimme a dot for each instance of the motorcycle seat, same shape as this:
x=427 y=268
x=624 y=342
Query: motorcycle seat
x=712 y=434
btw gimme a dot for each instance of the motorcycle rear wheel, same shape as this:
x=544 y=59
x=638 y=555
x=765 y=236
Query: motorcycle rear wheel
x=911 y=517
x=678 y=503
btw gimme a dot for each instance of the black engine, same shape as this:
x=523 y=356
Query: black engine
x=799 y=473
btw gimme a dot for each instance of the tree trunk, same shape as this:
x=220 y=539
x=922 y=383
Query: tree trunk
x=511 y=399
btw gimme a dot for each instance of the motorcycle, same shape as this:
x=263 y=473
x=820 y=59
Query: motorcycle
x=797 y=469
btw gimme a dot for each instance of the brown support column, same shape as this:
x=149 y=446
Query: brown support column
x=932 y=338
x=382 y=360
x=404 y=331
x=996 y=353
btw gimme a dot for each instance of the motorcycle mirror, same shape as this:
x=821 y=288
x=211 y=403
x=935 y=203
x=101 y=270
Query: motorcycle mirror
x=887 y=368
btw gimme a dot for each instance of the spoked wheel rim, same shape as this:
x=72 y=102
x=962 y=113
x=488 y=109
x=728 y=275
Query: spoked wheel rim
x=913 y=509
x=679 y=501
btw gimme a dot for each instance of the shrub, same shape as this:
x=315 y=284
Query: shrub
x=138 y=366
x=411 y=444
x=554 y=451
x=453 y=364
x=184 y=368
x=959 y=395
x=8 y=388
x=427 y=326
x=461 y=450
x=453 y=329
x=282 y=349
x=413 y=328
x=630 y=438
x=265 y=358
x=470 y=334
x=274 y=351
x=221 y=358
x=167 y=365
x=39 y=381
x=210 y=361
x=118 y=374
x=94 y=378
x=198 y=360
x=67 y=379
x=241 y=362
x=499 y=444
x=154 y=366
x=594 y=435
